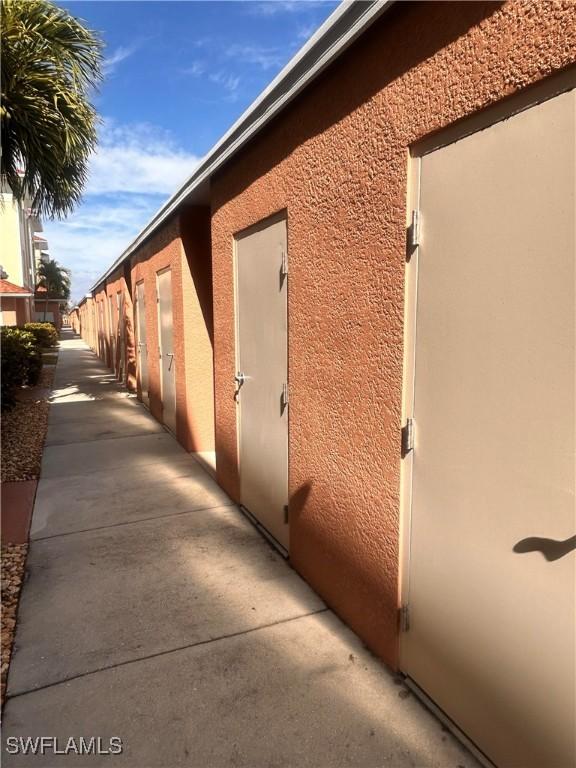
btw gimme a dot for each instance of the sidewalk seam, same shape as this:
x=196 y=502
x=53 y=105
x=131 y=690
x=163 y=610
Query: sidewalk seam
x=132 y=522
x=163 y=653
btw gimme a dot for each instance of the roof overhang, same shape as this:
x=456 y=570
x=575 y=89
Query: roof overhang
x=342 y=28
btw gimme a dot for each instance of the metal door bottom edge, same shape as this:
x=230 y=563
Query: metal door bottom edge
x=450 y=724
x=266 y=534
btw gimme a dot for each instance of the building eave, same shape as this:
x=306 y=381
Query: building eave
x=342 y=28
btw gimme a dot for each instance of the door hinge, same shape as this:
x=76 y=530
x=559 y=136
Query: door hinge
x=404 y=618
x=414 y=230
x=408 y=437
x=284 y=264
x=285 y=396
x=285 y=513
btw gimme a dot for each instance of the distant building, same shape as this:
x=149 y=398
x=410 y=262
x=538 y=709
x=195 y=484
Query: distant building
x=18 y=249
x=48 y=307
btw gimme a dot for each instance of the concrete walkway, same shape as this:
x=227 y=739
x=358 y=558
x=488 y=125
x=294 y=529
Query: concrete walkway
x=154 y=612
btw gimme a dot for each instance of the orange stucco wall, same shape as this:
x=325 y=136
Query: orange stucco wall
x=40 y=305
x=15 y=311
x=198 y=328
x=336 y=161
x=183 y=245
x=101 y=333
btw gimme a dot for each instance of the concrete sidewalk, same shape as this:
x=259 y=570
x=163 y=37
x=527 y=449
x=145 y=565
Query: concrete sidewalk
x=154 y=612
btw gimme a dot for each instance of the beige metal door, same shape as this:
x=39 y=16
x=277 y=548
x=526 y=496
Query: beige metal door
x=112 y=332
x=142 y=349
x=101 y=342
x=262 y=377
x=121 y=340
x=167 y=360
x=491 y=597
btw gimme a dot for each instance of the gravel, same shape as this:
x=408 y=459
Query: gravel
x=24 y=430
x=23 y=433
x=12 y=575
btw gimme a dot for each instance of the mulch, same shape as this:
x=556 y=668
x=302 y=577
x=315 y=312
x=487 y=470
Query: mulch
x=12 y=575
x=23 y=433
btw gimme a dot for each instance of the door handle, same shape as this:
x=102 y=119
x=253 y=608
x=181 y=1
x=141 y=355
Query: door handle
x=239 y=378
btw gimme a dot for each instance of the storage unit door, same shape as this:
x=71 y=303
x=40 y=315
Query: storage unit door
x=122 y=334
x=167 y=361
x=263 y=376
x=142 y=349
x=112 y=332
x=492 y=562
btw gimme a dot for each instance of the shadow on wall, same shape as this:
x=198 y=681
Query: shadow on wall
x=551 y=549
x=357 y=720
x=195 y=231
x=130 y=350
x=294 y=667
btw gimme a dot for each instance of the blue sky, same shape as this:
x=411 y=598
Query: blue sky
x=178 y=74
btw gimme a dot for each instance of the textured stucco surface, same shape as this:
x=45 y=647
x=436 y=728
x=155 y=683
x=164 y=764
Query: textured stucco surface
x=198 y=326
x=161 y=252
x=337 y=161
x=183 y=245
x=191 y=289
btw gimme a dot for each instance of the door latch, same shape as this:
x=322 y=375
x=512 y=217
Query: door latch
x=239 y=378
x=285 y=397
x=414 y=230
x=407 y=437
x=404 y=618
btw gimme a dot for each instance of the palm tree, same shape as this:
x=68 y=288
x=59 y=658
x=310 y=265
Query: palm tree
x=50 y=61
x=54 y=278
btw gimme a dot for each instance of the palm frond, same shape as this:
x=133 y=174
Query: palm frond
x=50 y=62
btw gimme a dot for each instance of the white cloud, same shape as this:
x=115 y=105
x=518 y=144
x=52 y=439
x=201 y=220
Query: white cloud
x=135 y=168
x=263 y=57
x=275 y=7
x=229 y=82
x=139 y=159
x=196 y=69
x=116 y=57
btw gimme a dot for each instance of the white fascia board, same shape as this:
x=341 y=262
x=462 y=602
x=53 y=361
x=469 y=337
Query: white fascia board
x=350 y=19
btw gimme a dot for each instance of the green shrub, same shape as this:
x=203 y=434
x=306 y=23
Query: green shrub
x=21 y=360
x=45 y=333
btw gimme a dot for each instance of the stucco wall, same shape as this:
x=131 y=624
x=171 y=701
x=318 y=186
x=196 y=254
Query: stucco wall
x=160 y=252
x=120 y=282
x=185 y=254
x=337 y=161
x=10 y=239
x=198 y=327
x=41 y=306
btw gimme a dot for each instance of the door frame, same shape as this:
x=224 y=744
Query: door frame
x=159 y=330
x=537 y=94
x=273 y=218
x=145 y=399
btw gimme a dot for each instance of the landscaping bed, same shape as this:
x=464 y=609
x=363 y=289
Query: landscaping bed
x=23 y=432
x=12 y=575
